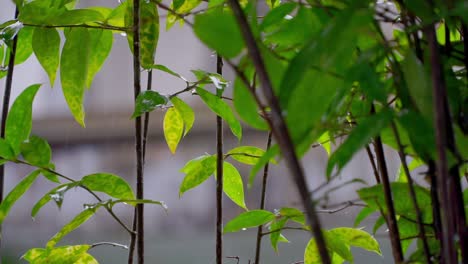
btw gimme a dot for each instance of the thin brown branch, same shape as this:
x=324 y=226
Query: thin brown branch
x=372 y=162
x=219 y=173
x=280 y=130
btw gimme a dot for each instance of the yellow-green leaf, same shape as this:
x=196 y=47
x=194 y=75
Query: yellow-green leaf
x=46 y=46
x=185 y=7
x=185 y=111
x=65 y=254
x=173 y=128
x=74 y=70
x=16 y=193
x=100 y=47
x=232 y=184
x=249 y=219
x=147 y=101
x=72 y=225
x=357 y=238
x=246 y=154
x=36 y=151
x=109 y=184
x=197 y=171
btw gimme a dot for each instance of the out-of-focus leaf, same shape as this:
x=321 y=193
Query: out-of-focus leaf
x=46 y=46
x=16 y=194
x=147 y=101
x=363 y=214
x=293 y=214
x=249 y=219
x=277 y=14
x=173 y=128
x=72 y=225
x=109 y=184
x=6 y=151
x=197 y=171
x=222 y=109
x=274 y=237
x=246 y=106
x=19 y=120
x=180 y=7
x=36 y=151
x=76 y=17
x=188 y=116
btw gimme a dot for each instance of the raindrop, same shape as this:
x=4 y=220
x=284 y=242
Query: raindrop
x=123 y=34
x=243 y=229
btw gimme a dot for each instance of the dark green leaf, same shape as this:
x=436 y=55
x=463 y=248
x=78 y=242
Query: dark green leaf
x=233 y=186
x=274 y=237
x=36 y=151
x=74 y=70
x=246 y=106
x=363 y=214
x=76 y=17
x=277 y=14
x=147 y=101
x=222 y=109
x=358 y=138
x=249 y=219
x=109 y=184
x=173 y=128
x=100 y=47
x=196 y=172
x=188 y=116
x=219 y=31
x=46 y=46
x=19 y=120
x=167 y=70
x=378 y=223
x=72 y=225
x=270 y=154
x=16 y=194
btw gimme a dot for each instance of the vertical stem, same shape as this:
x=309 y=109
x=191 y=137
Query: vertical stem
x=262 y=204
x=372 y=162
x=131 y=248
x=390 y=214
x=219 y=173
x=149 y=83
x=138 y=132
x=280 y=130
x=5 y=106
x=422 y=233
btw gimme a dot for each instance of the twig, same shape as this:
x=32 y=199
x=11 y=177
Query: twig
x=372 y=162
x=234 y=257
x=279 y=128
x=262 y=203
x=414 y=200
x=285 y=228
x=5 y=106
x=219 y=173
x=346 y=205
x=108 y=244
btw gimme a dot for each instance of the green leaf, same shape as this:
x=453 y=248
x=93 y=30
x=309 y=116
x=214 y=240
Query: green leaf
x=401 y=175
x=358 y=138
x=109 y=184
x=100 y=47
x=216 y=79
x=6 y=151
x=233 y=186
x=363 y=214
x=378 y=223
x=356 y=238
x=140 y=201
x=293 y=214
x=180 y=7
x=197 y=171
x=49 y=175
x=173 y=128
x=147 y=101
x=222 y=109
x=311 y=253
x=336 y=244
x=419 y=85
x=149 y=31
x=246 y=154
x=249 y=219
x=19 y=120
x=36 y=151
x=74 y=70
x=16 y=194
x=219 y=31
x=46 y=46
x=246 y=106
x=325 y=141
x=65 y=254
x=267 y=157
x=24 y=48
x=76 y=17
x=56 y=194
x=72 y=225
x=165 y=69
x=276 y=15
x=188 y=116
x=275 y=236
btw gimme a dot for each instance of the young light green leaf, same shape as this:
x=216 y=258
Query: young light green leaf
x=356 y=238
x=363 y=214
x=336 y=244
x=149 y=31
x=147 y=101
x=56 y=194
x=185 y=111
x=275 y=236
x=72 y=225
x=246 y=106
x=74 y=70
x=246 y=154
x=87 y=259
x=233 y=186
x=173 y=128
x=36 y=151
x=325 y=141
x=46 y=46
x=19 y=120
x=222 y=109
x=294 y=214
x=65 y=254
x=109 y=184
x=49 y=174
x=100 y=47
x=311 y=253
x=180 y=7
x=16 y=193
x=249 y=219
x=197 y=171
x=219 y=31
x=24 y=48
x=358 y=138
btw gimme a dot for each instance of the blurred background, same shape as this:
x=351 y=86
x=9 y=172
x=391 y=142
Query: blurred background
x=185 y=234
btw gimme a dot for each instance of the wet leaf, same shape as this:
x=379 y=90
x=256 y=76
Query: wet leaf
x=109 y=184
x=147 y=101
x=249 y=219
x=55 y=194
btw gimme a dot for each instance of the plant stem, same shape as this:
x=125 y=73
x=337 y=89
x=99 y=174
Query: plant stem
x=262 y=203
x=280 y=130
x=372 y=162
x=219 y=173
x=5 y=106
x=390 y=216
x=422 y=234
x=149 y=83
x=138 y=133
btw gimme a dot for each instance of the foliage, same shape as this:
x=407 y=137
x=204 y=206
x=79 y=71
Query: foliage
x=308 y=72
